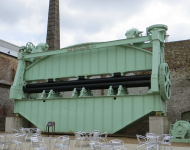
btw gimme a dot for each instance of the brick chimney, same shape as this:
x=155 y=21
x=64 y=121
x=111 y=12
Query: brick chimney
x=53 y=29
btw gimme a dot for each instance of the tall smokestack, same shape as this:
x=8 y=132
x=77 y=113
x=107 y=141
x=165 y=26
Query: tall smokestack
x=53 y=29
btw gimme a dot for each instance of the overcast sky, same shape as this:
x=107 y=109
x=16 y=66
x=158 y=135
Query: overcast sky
x=82 y=21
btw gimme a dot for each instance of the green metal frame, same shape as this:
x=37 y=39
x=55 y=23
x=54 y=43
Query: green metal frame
x=84 y=111
x=94 y=62
x=90 y=113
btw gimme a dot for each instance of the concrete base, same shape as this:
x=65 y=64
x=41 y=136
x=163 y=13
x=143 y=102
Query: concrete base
x=15 y=123
x=181 y=140
x=159 y=125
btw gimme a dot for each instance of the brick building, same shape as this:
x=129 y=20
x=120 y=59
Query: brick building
x=8 y=65
x=177 y=55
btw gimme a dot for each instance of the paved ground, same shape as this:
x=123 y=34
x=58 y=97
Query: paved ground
x=130 y=144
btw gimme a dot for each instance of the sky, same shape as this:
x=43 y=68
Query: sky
x=82 y=21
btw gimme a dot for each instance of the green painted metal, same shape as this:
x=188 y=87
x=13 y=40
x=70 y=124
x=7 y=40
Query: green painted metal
x=89 y=113
x=83 y=111
x=180 y=131
x=96 y=61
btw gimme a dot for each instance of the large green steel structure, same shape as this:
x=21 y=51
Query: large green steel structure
x=83 y=111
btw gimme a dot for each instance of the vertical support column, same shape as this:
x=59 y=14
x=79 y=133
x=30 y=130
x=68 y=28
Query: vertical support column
x=16 y=90
x=157 y=33
x=53 y=30
x=159 y=125
x=155 y=65
x=15 y=123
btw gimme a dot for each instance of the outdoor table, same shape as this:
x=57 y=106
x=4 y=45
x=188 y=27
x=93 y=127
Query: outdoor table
x=92 y=137
x=50 y=138
x=154 y=139
x=87 y=133
x=112 y=144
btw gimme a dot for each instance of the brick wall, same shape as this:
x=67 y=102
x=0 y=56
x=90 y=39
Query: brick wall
x=177 y=55
x=8 y=65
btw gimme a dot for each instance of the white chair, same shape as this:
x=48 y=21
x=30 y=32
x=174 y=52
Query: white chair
x=117 y=141
x=141 y=139
x=108 y=147
x=30 y=132
x=93 y=142
x=93 y=139
x=25 y=133
x=90 y=134
x=150 y=147
x=17 y=139
x=79 y=137
x=20 y=129
x=2 y=141
x=105 y=134
x=14 y=130
x=97 y=146
x=96 y=135
x=167 y=140
x=62 y=142
x=38 y=131
x=150 y=141
x=37 y=143
x=150 y=134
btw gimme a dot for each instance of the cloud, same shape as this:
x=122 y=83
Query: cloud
x=91 y=20
x=97 y=20
x=23 y=21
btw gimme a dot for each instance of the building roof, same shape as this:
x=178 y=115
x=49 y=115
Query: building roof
x=8 y=48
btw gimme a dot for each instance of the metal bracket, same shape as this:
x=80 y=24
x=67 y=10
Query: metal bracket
x=121 y=73
x=85 y=92
x=32 y=96
x=122 y=90
x=111 y=91
x=158 y=113
x=44 y=94
x=53 y=94
x=75 y=93
x=83 y=77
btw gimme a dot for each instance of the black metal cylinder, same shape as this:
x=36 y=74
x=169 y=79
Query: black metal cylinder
x=90 y=81
x=141 y=83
